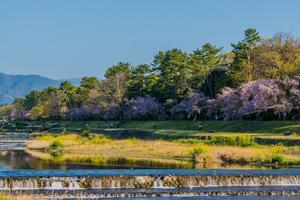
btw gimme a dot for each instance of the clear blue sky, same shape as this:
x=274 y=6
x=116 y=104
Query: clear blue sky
x=74 y=38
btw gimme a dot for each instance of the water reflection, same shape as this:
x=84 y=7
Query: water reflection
x=21 y=160
x=18 y=159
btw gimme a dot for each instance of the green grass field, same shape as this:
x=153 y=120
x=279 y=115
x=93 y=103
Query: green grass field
x=263 y=132
x=215 y=126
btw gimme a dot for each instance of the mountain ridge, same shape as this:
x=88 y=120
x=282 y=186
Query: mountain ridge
x=18 y=85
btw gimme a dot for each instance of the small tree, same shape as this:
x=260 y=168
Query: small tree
x=85 y=132
x=56 y=149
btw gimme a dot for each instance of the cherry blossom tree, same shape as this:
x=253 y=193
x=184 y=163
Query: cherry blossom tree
x=261 y=96
x=192 y=106
x=292 y=88
x=143 y=108
x=77 y=113
x=226 y=106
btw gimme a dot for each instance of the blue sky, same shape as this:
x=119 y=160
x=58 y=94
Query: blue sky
x=75 y=38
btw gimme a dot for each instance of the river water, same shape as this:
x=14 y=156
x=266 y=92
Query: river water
x=21 y=160
x=21 y=172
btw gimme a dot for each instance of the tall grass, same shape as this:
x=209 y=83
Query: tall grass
x=227 y=148
x=233 y=140
x=18 y=197
x=228 y=140
x=74 y=138
x=276 y=154
x=200 y=154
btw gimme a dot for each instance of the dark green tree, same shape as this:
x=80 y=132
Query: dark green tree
x=89 y=82
x=69 y=94
x=121 y=67
x=141 y=81
x=204 y=63
x=242 y=68
x=32 y=99
x=174 y=73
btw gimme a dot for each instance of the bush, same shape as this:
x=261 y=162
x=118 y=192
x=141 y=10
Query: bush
x=85 y=133
x=200 y=154
x=276 y=153
x=278 y=149
x=56 y=149
x=279 y=159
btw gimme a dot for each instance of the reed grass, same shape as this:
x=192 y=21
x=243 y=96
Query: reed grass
x=18 y=197
x=99 y=149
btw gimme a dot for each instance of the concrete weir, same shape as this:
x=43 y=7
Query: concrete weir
x=152 y=183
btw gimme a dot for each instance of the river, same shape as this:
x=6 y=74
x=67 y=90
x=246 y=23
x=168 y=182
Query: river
x=22 y=173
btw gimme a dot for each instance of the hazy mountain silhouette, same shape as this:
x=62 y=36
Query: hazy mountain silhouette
x=12 y=86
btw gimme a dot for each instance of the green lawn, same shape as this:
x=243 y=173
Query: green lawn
x=219 y=126
x=263 y=132
x=216 y=126
x=170 y=129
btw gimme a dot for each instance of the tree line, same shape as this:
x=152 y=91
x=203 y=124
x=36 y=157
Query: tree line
x=258 y=79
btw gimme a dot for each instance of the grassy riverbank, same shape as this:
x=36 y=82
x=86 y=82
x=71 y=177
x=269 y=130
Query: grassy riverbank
x=173 y=142
x=238 y=149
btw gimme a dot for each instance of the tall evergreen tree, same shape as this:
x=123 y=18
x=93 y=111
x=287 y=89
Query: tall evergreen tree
x=242 y=69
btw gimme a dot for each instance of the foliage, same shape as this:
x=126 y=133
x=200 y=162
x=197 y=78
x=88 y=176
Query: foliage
x=251 y=98
x=174 y=72
x=85 y=133
x=257 y=79
x=200 y=154
x=242 y=68
x=143 y=108
x=205 y=63
x=262 y=95
x=142 y=81
x=192 y=106
x=56 y=148
x=225 y=106
x=121 y=67
x=292 y=88
x=277 y=152
x=232 y=140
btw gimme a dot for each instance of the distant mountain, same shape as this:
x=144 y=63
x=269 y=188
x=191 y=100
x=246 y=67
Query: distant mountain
x=12 y=86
